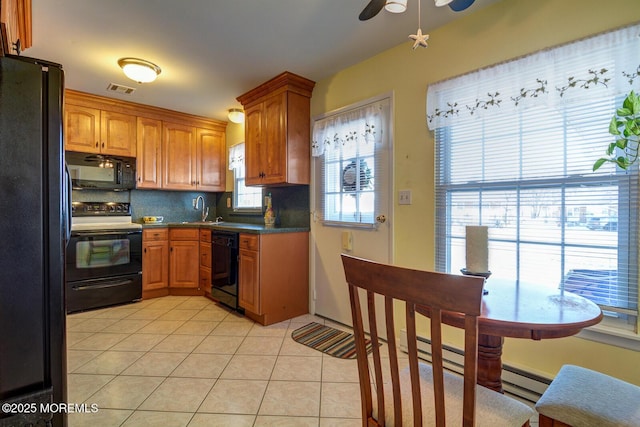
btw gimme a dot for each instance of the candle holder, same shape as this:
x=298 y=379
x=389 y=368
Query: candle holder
x=484 y=274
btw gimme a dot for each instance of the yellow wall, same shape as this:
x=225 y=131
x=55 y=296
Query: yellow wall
x=235 y=135
x=505 y=30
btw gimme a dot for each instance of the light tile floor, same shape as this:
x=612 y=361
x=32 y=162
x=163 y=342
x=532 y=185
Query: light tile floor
x=186 y=361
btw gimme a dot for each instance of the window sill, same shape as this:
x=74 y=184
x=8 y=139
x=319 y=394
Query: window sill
x=611 y=336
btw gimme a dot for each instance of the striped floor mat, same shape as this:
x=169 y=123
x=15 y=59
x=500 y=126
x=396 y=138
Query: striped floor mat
x=328 y=340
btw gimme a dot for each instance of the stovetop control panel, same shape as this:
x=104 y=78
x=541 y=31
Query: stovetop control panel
x=100 y=209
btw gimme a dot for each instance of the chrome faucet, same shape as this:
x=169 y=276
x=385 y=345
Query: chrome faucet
x=205 y=211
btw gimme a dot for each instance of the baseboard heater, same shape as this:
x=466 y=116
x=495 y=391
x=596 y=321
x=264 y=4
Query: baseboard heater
x=518 y=382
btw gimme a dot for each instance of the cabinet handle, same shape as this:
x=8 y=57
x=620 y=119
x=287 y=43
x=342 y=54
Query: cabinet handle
x=145 y=250
x=96 y=144
x=103 y=145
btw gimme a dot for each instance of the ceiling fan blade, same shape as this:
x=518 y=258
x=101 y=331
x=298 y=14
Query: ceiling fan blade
x=371 y=9
x=460 y=5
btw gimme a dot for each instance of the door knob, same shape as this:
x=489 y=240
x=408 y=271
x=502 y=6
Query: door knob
x=381 y=219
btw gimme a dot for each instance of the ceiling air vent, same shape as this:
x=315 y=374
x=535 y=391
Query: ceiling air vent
x=125 y=90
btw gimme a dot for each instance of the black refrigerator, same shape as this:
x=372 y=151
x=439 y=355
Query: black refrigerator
x=34 y=227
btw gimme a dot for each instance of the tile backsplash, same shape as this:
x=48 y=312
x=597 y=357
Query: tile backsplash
x=291 y=205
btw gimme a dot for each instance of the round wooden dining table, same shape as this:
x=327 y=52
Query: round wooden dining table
x=521 y=310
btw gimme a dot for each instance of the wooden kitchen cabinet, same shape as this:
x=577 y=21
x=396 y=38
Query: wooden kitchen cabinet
x=155 y=262
x=173 y=150
x=179 y=148
x=15 y=15
x=277 y=131
x=269 y=292
x=211 y=157
x=184 y=246
x=149 y=153
x=194 y=158
x=91 y=130
x=205 y=261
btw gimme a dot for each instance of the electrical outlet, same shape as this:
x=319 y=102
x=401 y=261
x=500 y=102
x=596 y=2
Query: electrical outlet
x=228 y=202
x=404 y=197
x=193 y=202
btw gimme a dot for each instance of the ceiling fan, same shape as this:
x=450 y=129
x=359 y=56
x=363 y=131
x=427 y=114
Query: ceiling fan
x=375 y=6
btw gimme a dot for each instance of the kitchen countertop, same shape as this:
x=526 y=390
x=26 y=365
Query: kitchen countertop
x=229 y=226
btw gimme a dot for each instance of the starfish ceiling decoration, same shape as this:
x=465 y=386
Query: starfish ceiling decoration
x=420 y=40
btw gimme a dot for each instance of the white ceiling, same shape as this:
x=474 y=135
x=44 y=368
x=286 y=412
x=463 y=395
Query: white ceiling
x=212 y=51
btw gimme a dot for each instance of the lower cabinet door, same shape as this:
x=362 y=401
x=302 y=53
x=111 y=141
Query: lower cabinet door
x=155 y=269
x=249 y=281
x=184 y=264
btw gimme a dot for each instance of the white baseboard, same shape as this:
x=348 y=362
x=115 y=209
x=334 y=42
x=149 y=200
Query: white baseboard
x=515 y=381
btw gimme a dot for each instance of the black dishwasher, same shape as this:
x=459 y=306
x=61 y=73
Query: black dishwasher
x=224 y=268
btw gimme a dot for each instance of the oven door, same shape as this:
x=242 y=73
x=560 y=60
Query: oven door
x=103 y=254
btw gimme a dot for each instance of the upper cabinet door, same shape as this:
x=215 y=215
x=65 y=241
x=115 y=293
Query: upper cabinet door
x=266 y=149
x=17 y=16
x=273 y=156
x=254 y=144
x=118 y=134
x=179 y=148
x=149 y=153
x=81 y=129
x=212 y=149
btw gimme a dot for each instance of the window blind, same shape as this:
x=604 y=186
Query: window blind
x=520 y=162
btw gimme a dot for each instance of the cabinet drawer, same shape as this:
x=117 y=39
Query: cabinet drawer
x=249 y=241
x=205 y=278
x=184 y=234
x=205 y=236
x=205 y=254
x=151 y=234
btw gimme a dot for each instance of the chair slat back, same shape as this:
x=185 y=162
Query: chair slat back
x=436 y=291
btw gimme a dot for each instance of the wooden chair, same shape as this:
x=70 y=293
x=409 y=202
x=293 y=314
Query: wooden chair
x=581 y=397
x=421 y=394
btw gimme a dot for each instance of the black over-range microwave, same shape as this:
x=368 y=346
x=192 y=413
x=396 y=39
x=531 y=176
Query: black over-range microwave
x=101 y=172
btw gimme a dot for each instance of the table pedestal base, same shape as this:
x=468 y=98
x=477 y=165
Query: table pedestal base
x=490 y=362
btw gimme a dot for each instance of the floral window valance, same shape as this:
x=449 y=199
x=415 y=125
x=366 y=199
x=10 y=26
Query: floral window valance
x=556 y=75
x=345 y=129
x=236 y=156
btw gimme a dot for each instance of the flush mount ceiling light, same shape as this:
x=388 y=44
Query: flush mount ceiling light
x=139 y=70
x=396 y=6
x=236 y=115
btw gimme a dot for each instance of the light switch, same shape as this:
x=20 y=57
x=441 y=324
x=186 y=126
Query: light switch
x=347 y=241
x=404 y=197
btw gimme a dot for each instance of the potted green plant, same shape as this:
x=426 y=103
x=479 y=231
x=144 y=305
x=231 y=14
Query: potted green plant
x=625 y=126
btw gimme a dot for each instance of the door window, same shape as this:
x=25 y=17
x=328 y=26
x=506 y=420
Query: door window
x=349 y=146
